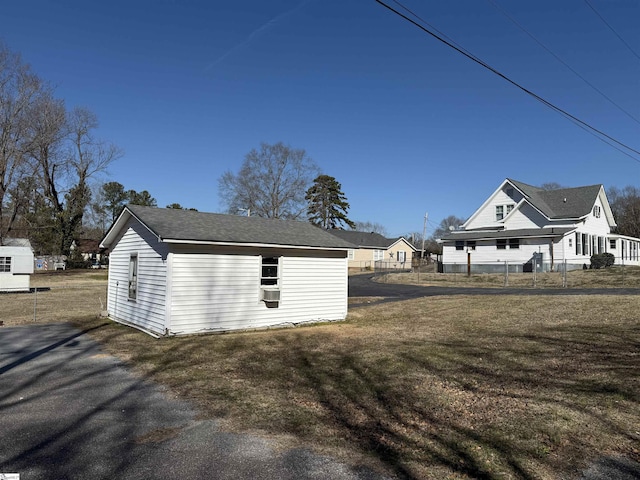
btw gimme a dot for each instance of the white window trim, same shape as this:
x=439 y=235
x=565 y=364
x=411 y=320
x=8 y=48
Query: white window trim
x=134 y=271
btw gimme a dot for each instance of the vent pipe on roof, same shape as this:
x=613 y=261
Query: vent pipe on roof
x=564 y=200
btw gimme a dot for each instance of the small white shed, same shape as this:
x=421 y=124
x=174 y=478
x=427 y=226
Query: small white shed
x=174 y=272
x=16 y=265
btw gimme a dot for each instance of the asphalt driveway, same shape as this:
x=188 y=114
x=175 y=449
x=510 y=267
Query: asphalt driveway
x=69 y=411
x=366 y=286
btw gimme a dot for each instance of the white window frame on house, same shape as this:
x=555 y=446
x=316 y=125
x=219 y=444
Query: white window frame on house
x=578 y=243
x=596 y=211
x=401 y=256
x=510 y=208
x=5 y=264
x=378 y=255
x=612 y=244
x=270 y=272
x=133 y=277
x=499 y=212
x=351 y=254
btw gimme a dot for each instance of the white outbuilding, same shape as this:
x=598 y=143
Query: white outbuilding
x=174 y=272
x=16 y=265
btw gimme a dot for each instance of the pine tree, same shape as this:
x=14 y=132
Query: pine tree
x=327 y=204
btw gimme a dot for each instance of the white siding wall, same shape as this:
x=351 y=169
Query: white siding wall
x=14 y=283
x=221 y=292
x=486 y=215
x=486 y=252
x=18 y=279
x=525 y=217
x=148 y=309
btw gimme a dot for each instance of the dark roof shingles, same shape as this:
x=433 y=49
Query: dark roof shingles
x=188 y=225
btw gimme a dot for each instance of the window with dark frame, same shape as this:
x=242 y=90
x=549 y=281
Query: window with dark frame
x=269 y=271
x=5 y=264
x=612 y=244
x=471 y=244
x=459 y=244
x=514 y=243
x=501 y=244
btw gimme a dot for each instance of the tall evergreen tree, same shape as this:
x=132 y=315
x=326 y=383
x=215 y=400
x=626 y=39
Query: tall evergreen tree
x=327 y=204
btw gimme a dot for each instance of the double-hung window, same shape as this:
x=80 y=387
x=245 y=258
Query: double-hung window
x=378 y=255
x=459 y=244
x=499 y=212
x=269 y=271
x=514 y=243
x=501 y=244
x=401 y=256
x=133 y=276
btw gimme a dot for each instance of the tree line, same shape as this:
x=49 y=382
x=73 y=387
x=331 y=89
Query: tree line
x=48 y=156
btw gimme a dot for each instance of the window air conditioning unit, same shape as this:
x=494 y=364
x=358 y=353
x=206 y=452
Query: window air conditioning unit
x=269 y=295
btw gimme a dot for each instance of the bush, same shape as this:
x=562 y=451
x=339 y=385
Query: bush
x=602 y=260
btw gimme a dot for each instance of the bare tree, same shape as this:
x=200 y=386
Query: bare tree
x=19 y=88
x=372 y=227
x=447 y=224
x=625 y=206
x=271 y=182
x=66 y=156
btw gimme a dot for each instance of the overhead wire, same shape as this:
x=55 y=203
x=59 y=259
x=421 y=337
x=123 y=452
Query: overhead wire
x=611 y=28
x=516 y=23
x=599 y=134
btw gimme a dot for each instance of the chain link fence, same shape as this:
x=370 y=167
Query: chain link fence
x=56 y=297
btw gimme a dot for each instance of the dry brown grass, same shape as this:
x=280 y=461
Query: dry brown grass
x=613 y=277
x=72 y=295
x=442 y=387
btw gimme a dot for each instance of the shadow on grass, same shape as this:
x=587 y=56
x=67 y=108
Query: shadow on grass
x=521 y=403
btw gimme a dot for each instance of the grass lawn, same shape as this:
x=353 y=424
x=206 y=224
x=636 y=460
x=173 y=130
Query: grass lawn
x=443 y=387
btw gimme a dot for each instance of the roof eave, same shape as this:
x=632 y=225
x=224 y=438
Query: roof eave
x=177 y=241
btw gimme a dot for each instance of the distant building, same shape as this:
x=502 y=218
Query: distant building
x=16 y=265
x=527 y=227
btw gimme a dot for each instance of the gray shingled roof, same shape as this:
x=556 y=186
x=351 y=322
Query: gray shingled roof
x=493 y=234
x=187 y=225
x=16 y=242
x=562 y=203
x=364 y=239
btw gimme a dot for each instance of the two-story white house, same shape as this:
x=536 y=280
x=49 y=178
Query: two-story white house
x=521 y=225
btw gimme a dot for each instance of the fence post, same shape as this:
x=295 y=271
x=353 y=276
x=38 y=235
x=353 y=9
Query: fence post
x=35 y=303
x=506 y=273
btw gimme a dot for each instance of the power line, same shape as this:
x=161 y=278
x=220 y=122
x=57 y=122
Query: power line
x=611 y=28
x=516 y=23
x=602 y=136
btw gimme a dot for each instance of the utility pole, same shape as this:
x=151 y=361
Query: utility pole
x=424 y=234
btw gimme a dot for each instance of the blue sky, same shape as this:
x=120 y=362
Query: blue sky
x=407 y=125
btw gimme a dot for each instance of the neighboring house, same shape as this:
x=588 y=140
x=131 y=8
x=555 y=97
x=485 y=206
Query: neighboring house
x=89 y=250
x=16 y=265
x=376 y=251
x=521 y=225
x=177 y=272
